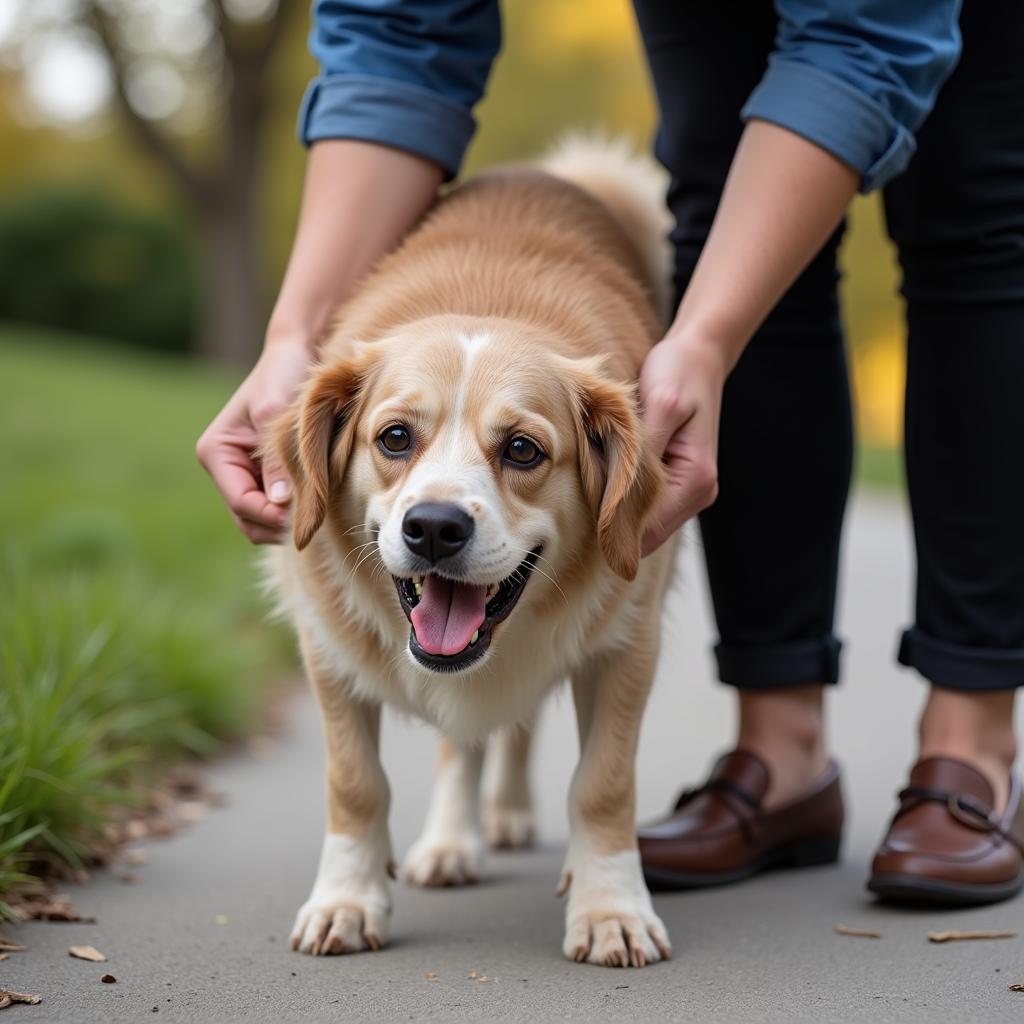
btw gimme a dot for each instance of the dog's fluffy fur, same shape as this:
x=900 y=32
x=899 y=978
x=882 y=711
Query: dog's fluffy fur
x=523 y=306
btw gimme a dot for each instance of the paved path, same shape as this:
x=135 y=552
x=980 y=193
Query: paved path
x=764 y=950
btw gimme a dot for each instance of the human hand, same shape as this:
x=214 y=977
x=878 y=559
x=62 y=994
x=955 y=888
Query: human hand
x=257 y=493
x=681 y=393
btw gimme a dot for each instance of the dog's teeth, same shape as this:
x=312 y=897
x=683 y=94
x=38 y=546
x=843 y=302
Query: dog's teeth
x=475 y=637
x=418 y=587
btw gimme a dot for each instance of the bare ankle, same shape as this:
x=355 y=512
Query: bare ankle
x=785 y=727
x=973 y=727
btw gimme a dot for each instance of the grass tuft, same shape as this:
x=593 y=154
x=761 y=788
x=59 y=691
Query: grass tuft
x=132 y=633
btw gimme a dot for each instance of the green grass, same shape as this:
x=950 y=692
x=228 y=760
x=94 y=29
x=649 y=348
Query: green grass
x=132 y=631
x=879 y=469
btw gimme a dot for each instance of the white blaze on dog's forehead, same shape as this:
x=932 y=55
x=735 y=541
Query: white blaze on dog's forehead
x=472 y=345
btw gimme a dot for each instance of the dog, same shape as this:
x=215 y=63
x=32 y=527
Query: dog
x=471 y=484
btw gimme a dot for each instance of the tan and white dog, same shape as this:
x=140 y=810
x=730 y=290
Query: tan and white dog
x=471 y=483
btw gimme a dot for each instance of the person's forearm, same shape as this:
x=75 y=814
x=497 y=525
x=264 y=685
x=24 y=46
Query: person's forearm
x=783 y=198
x=359 y=200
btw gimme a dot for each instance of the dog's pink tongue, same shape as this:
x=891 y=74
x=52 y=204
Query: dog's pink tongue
x=448 y=614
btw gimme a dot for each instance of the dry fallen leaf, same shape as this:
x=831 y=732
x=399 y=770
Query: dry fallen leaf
x=10 y=947
x=1016 y=987
x=965 y=936
x=7 y=997
x=108 y=979
x=192 y=810
x=473 y=974
x=136 y=829
x=859 y=933
x=162 y=827
x=87 y=953
x=56 y=910
x=430 y=976
x=5 y=956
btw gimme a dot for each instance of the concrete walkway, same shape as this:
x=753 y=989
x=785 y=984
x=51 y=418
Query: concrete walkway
x=202 y=937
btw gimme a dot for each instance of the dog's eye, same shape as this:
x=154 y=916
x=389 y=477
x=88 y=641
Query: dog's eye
x=522 y=453
x=395 y=440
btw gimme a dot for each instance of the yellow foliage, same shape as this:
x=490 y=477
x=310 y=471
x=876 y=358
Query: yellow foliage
x=597 y=28
x=879 y=377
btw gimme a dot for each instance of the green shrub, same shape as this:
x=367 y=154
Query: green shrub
x=80 y=260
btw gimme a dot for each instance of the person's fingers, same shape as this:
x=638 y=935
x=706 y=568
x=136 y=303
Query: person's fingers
x=663 y=526
x=664 y=522
x=684 y=499
x=235 y=476
x=276 y=485
x=664 y=413
x=245 y=497
x=692 y=479
x=258 y=534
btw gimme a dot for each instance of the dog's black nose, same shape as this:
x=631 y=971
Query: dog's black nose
x=434 y=530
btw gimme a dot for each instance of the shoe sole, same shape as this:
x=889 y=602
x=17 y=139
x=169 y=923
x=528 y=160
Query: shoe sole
x=908 y=890
x=808 y=853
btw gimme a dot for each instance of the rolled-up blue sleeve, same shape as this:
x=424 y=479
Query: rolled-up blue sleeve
x=404 y=73
x=858 y=77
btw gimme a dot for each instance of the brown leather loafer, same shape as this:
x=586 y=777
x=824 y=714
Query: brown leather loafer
x=720 y=833
x=946 y=846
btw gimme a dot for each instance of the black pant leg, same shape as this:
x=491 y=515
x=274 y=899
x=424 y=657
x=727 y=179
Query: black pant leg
x=771 y=539
x=957 y=216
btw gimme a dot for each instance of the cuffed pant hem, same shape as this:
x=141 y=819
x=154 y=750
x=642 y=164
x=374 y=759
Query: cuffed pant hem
x=775 y=666
x=957 y=667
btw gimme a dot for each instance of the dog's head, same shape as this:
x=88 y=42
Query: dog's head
x=476 y=458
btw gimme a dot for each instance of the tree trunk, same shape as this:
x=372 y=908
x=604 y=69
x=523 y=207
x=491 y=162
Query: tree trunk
x=234 y=306
x=224 y=198
x=236 y=298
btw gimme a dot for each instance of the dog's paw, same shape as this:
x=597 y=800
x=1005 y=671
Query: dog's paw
x=443 y=860
x=508 y=828
x=609 y=920
x=616 y=939
x=350 y=904
x=324 y=927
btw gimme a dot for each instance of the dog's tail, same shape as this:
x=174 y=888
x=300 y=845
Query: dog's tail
x=632 y=187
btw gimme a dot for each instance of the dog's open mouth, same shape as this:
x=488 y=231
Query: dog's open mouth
x=452 y=622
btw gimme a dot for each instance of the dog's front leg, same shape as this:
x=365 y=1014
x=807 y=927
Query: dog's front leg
x=448 y=850
x=348 y=909
x=609 y=917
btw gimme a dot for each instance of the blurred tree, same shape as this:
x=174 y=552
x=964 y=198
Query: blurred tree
x=565 y=64
x=223 y=191
x=189 y=80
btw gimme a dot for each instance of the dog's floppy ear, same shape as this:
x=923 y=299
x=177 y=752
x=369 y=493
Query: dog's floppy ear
x=621 y=478
x=316 y=430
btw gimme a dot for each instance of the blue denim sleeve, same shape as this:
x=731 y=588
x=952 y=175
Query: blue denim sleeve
x=404 y=73
x=858 y=77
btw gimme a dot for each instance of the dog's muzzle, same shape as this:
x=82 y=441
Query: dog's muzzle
x=453 y=621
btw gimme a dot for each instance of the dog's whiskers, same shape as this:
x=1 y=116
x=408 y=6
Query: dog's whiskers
x=356 y=550
x=554 y=584
x=536 y=568
x=393 y=664
x=366 y=554
x=359 y=528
